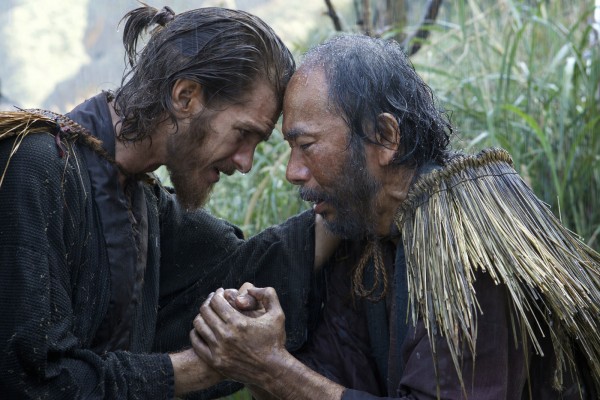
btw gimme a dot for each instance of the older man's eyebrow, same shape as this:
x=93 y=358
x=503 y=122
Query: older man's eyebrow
x=293 y=134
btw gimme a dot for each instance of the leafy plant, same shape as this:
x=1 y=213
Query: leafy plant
x=523 y=75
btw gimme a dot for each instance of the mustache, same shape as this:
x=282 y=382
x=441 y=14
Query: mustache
x=313 y=195
x=226 y=168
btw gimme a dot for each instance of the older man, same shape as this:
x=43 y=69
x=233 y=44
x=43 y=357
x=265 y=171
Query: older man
x=102 y=268
x=455 y=280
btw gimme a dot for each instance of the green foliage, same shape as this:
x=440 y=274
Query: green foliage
x=522 y=75
x=241 y=395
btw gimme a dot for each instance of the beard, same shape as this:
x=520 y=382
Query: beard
x=352 y=195
x=182 y=147
x=191 y=194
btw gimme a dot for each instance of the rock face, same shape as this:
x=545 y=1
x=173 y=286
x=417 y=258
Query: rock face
x=54 y=54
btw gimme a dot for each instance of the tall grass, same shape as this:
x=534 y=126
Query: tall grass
x=523 y=75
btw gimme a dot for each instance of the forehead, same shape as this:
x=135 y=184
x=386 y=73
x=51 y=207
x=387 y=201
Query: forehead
x=260 y=97
x=307 y=88
x=306 y=105
x=258 y=105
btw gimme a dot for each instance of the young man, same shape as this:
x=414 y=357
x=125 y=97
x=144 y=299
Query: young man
x=103 y=269
x=467 y=287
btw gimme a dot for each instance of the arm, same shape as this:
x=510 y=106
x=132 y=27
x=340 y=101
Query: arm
x=191 y=373
x=200 y=253
x=250 y=351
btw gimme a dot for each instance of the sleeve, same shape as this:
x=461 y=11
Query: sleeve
x=499 y=370
x=201 y=253
x=41 y=355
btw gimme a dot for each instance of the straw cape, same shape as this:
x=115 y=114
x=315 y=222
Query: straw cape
x=477 y=214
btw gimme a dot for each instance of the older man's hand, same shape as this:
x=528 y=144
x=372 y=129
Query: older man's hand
x=241 y=346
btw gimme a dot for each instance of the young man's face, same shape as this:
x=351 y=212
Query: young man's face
x=334 y=175
x=221 y=140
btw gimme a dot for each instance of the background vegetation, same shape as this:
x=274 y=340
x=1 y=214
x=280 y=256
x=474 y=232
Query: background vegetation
x=526 y=76
x=523 y=75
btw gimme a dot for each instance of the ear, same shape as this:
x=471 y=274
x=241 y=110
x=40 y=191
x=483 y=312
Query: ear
x=389 y=137
x=187 y=97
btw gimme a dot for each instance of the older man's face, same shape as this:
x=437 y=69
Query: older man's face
x=332 y=173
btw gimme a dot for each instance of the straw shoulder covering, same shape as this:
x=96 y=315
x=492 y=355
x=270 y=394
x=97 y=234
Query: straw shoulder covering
x=477 y=214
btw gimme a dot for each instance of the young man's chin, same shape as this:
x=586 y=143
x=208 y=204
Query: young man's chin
x=193 y=201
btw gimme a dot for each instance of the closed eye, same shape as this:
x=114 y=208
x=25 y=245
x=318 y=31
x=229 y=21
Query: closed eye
x=260 y=136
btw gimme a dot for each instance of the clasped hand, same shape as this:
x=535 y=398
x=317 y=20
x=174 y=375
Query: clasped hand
x=240 y=332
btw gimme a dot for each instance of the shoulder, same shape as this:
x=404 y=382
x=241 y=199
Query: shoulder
x=34 y=148
x=37 y=157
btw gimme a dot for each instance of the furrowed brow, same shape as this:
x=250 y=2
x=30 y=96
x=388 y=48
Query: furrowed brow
x=264 y=134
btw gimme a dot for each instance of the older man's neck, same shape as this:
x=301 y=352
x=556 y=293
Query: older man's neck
x=395 y=185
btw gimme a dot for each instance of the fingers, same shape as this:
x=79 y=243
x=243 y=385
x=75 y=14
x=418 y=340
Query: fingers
x=230 y=295
x=241 y=302
x=204 y=329
x=244 y=288
x=222 y=308
x=208 y=323
x=267 y=296
x=217 y=307
x=246 y=302
x=200 y=347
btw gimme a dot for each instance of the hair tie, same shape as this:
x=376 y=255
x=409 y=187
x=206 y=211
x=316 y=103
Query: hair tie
x=164 y=16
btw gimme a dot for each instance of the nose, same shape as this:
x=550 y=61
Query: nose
x=297 y=172
x=242 y=159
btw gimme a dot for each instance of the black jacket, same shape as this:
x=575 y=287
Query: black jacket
x=82 y=317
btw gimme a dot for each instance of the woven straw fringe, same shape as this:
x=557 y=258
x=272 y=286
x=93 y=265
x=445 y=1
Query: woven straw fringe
x=477 y=214
x=19 y=124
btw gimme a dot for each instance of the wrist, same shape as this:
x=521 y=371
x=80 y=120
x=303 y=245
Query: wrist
x=289 y=379
x=191 y=373
x=280 y=369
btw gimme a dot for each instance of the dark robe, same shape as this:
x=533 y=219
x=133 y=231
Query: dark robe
x=369 y=348
x=97 y=283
